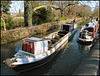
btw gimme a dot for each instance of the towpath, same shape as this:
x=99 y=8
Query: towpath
x=90 y=64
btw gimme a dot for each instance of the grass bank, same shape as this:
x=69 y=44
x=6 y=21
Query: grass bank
x=20 y=33
x=82 y=22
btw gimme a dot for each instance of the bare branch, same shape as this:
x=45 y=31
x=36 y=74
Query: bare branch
x=54 y=6
x=70 y=4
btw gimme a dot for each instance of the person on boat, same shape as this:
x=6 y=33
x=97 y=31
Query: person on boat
x=74 y=21
x=85 y=33
x=71 y=22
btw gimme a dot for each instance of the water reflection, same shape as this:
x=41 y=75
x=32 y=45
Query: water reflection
x=7 y=51
x=84 y=48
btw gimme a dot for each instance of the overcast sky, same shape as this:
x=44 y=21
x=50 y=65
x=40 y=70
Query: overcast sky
x=16 y=5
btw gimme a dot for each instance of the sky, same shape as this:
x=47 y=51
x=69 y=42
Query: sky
x=92 y=4
x=16 y=5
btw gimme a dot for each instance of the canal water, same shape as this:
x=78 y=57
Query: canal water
x=64 y=63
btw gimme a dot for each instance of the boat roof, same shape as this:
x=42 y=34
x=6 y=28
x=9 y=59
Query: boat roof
x=32 y=39
x=89 y=25
x=68 y=24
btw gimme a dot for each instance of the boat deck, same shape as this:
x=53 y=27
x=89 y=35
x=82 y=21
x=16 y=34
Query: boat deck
x=56 y=41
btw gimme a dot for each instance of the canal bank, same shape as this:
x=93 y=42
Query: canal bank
x=22 y=32
x=90 y=64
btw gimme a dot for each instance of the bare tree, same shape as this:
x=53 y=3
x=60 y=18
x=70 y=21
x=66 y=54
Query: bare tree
x=3 y=23
x=28 y=10
x=3 y=19
x=59 y=8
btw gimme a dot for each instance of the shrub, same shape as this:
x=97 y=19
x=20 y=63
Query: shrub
x=64 y=18
x=83 y=22
x=57 y=20
x=12 y=22
x=40 y=16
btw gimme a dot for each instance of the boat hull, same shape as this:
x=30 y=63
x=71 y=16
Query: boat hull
x=33 y=65
x=84 y=42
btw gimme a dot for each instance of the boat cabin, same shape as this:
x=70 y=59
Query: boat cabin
x=34 y=45
x=67 y=27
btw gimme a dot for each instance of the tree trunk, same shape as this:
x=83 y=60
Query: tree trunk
x=61 y=13
x=28 y=13
x=3 y=23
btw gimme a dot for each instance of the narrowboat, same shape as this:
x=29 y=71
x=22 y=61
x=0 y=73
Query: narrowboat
x=89 y=32
x=38 y=51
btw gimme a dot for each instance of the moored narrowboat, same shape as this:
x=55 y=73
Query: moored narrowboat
x=38 y=51
x=89 y=32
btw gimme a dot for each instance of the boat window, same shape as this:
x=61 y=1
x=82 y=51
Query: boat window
x=89 y=29
x=65 y=28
